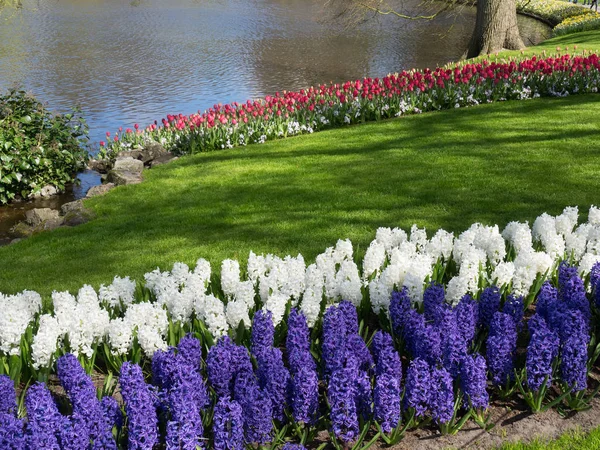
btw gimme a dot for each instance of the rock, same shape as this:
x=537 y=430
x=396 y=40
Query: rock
x=50 y=224
x=77 y=205
x=99 y=190
x=14 y=241
x=163 y=159
x=37 y=216
x=151 y=152
x=128 y=164
x=135 y=154
x=21 y=230
x=78 y=217
x=99 y=165
x=121 y=177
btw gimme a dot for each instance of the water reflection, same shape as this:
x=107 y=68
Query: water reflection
x=126 y=62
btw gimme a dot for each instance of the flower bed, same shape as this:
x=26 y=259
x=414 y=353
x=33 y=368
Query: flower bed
x=428 y=329
x=565 y=17
x=336 y=105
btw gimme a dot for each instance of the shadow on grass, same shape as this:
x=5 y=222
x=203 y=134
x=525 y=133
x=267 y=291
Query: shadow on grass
x=491 y=164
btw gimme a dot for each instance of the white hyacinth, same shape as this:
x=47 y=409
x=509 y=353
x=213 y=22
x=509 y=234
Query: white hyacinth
x=45 y=342
x=230 y=276
x=374 y=259
x=119 y=293
x=18 y=311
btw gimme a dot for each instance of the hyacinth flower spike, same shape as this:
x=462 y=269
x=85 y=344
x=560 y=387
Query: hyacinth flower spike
x=473 y=383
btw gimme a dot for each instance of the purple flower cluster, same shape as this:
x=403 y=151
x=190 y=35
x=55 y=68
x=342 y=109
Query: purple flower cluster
x=82 y=393
x=8 y=396
x=467 y=316
x=290 y=446
x=489 y=304
x=473 y=382
x=11 y=428
x=418 y=386
x=273 y=376
x=400 y=306
x=441 y=396
x=342 y=401
x=348 y=364
x=228 y=425
x=454 y=345
x=139 y=406
x=388 y=376
x=43 y=419
x=501 y=348
x=595 y=283
x=541 y=353
x=256 y=408
x=434 y=303
x=515 y=308
x=225 y=360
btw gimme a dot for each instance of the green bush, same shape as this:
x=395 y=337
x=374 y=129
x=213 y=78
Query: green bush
x=37 y=148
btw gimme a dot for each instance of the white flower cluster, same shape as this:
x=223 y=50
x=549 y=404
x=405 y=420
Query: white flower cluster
x=82 y=321
x=513 y=259
x=16 y=313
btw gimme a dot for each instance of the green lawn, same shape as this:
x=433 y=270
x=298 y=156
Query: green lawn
x=569 y=441
x=493 y=164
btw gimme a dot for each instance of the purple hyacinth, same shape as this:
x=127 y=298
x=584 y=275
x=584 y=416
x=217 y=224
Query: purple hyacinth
x=256 y=408
x=342 y=401
x=298 y=342
x=357 y=347
x=224 y=361
x=190 y=348
x=73 y=433
x=11 y=432
x=184 y=429
x=363 y=394
x=386 y=356
x=489 y=304
x=387 y=401
x=228 y=425
x=414 y=327
x=263 y=332
x=290 y=446
x=467 y=313
x=43 y=418
x=82 y=393
x=565 y=273
x=418 y=386
x=547 y=300
x=571 y=323
x=428 y=345
x=595 y=282
x=473 y=382
x=305 y=395
x=274 y=378
x=575 y=338
x=541 y=353
x=8 y=396
x=139 y=406
x=573 y=294
x=515 y=308
x=112 y=412
x=454 y=346
x=350 y=314
x=501 y=348
x=441 y=397
x=434 y=303
x=334 y=339
x=400 y=305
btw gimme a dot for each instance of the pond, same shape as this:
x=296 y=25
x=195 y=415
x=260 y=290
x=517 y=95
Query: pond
x=128 y=62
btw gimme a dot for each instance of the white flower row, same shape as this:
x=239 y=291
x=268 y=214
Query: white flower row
x=393 y=259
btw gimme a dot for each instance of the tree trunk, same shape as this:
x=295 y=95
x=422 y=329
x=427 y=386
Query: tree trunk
x=495 y=28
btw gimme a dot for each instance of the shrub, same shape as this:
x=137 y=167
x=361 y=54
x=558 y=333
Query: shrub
x=37 y=147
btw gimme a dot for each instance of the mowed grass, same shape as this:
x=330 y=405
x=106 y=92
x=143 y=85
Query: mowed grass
x=489 y=164
x=570 y=441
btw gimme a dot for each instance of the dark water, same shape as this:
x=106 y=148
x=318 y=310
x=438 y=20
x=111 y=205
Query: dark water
x=128 y=62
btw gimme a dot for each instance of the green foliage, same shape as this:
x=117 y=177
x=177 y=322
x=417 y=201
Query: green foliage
x=37 y=147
